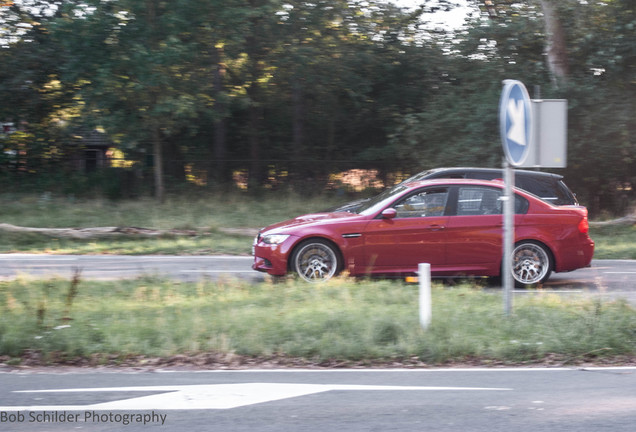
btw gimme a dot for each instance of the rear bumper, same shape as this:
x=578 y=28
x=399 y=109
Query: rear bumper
x=576 y=257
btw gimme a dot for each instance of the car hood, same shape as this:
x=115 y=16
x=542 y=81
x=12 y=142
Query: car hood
x=311 y=219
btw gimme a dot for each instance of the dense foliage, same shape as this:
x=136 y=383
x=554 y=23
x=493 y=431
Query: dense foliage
x=276 y=92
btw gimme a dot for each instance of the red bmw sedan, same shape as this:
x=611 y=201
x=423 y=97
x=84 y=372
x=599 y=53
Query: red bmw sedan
x=454 y=225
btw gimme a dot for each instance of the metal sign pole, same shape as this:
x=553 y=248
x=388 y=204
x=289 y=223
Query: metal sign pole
x=516 y=130
x=508 y=237
x=519 y=141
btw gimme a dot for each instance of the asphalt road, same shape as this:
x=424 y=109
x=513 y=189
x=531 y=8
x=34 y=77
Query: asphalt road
x=111 y=267
x=605 y=278
x=522 y=400
x=603 y=275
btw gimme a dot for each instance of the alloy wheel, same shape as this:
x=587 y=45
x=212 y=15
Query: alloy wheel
x=530 y=264
x=316 y=261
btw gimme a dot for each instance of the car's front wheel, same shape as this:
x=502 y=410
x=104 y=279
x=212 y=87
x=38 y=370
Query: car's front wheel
x=316 y=260
x=531 y=263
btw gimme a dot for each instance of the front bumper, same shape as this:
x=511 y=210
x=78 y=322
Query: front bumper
x=272 y=258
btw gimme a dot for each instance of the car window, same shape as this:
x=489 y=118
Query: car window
x=566 y=197
x=369 y=205
x=472 y=201
x=548 y=189
x=479 y=201
x=425 y=203
x=544 y=188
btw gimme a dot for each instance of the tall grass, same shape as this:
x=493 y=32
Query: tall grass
x=343 y=320
x=206 y=211
x=615 y=242
x=208 y=215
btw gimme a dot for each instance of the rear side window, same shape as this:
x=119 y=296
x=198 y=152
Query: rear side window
x=551 y=190
x=567 y=197
x=481 y=201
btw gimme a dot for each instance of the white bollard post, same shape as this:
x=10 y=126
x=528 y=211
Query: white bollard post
x=424 y=275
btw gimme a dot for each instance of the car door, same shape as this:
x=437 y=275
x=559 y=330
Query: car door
x=415 y=235
x=475 y=230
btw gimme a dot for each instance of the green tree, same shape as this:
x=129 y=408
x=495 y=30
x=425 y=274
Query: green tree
x=460 y=125
x=603 y=90
x=32 y=95
x=348 y=71
x=146 y=69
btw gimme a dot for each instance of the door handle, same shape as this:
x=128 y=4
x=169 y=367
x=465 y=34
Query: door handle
x=436 y=227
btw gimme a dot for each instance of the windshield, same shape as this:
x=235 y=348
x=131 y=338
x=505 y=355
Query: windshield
x=363 y=204
x=369 y=206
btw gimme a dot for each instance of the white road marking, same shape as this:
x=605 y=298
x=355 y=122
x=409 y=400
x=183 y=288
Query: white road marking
x=215 y=396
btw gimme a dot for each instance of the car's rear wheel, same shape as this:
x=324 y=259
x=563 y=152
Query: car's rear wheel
x=316 y=260
x=531 y=263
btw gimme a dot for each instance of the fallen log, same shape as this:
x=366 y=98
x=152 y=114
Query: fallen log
x=85 y=233
x=625 y=220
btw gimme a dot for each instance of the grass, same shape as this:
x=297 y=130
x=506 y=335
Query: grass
x=205 y=211
x=614 y=242
x=205 y=243
x=340 y=321
x=209 y=216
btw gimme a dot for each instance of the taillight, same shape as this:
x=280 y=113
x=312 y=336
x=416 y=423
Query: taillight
x=584 y=226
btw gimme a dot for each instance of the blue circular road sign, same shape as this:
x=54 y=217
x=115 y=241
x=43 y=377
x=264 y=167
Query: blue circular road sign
x=515 y=121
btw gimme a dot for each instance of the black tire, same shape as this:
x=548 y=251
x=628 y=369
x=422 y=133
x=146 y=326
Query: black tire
x=316 y=260
x=532 y=263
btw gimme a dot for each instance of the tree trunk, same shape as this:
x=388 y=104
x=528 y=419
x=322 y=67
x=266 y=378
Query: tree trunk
x=175 y=163
x=556 y=48
x=297 y=127
x=254 y=54
x=297 y=151
x=219 y=151
x=157 y=149
x=255 y=173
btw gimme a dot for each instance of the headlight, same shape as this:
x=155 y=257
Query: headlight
x=274 y=238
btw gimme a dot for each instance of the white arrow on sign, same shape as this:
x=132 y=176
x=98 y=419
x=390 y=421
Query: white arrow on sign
x=214 y=396
x=517 y=116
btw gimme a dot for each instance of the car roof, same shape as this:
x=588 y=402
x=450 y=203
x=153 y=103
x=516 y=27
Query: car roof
x=451 y=170
x=462 y=181
x=453 y=181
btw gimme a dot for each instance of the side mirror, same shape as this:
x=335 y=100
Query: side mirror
x=389 y=213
